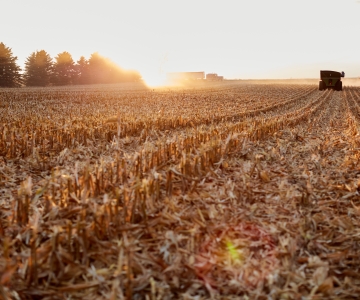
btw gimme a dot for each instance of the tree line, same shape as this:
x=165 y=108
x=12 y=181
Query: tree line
x=42 y=70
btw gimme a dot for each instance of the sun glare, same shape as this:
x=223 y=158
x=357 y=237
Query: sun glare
x=154 y=80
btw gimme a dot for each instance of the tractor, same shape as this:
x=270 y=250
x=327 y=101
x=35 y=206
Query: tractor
x=330 y=80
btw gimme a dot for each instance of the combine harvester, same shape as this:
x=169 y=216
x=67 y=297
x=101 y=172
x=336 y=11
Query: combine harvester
x=331 y=79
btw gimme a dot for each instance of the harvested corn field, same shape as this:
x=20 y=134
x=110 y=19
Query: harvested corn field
x=234 y=191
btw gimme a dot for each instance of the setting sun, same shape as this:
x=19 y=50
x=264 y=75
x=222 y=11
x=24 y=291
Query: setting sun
x=152 y=79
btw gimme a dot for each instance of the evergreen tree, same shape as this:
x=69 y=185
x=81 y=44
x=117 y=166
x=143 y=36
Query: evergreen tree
x=38 y=69
x=63 y=69
x=9 y=71
x=99 y=69
x=82 y=71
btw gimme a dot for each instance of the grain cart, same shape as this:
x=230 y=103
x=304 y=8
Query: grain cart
x=330 y=79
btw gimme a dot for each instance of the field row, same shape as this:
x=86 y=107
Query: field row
x=69 y=124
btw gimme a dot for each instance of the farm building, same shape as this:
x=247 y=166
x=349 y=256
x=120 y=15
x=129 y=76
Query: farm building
x=214 y=77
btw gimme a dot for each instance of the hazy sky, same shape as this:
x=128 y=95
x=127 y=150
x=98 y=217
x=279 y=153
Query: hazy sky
x=237 y=39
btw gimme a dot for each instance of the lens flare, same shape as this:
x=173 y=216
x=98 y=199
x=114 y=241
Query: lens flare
x=244 y=252
x=235 y=254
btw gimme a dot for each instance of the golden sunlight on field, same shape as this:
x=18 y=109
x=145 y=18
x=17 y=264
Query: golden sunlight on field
x=229 y=191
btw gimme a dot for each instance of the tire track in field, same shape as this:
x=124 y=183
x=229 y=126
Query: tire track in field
x=325 y=117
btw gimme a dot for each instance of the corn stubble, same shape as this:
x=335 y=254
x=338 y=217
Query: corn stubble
x=234 y=191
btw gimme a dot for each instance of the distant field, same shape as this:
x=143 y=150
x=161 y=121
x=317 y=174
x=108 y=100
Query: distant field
x=346 y=81
x=227 y=190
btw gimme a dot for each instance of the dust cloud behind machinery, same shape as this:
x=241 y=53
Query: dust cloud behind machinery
x=186 y=77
